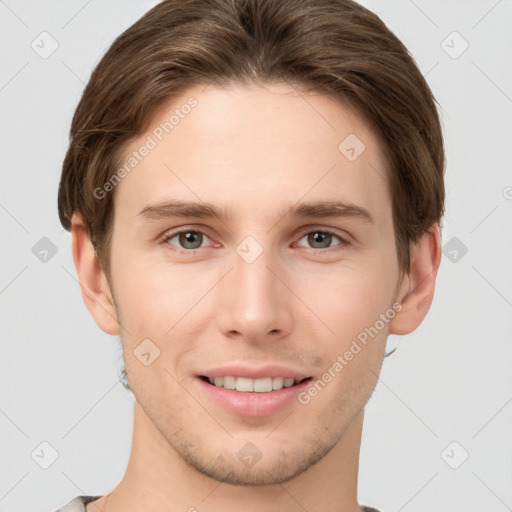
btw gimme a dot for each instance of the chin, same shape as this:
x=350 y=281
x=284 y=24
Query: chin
x=252 y=467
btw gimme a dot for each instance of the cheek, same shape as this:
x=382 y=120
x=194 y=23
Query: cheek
x=154 y=296
x=348 y=300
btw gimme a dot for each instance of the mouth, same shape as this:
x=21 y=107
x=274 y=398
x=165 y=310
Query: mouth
x=248 y=385
x=253 y=391
x=243 y=396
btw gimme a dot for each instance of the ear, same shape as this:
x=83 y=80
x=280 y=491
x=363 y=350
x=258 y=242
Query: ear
x=96 y=292
x=417 y=289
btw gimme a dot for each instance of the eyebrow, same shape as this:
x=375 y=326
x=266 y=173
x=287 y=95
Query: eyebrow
x=178 y=208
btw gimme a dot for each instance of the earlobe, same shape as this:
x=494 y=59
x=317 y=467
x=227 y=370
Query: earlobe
x=417 y=290
x=96 y=292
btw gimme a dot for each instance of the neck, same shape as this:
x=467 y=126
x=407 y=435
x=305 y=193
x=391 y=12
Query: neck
x=158 y=479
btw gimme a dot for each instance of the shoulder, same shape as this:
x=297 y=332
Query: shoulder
x=77 y=504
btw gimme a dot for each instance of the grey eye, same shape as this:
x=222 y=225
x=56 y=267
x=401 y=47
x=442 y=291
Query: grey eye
x=187 y=239
x=321 y=239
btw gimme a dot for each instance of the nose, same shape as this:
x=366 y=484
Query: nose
x=254 y=304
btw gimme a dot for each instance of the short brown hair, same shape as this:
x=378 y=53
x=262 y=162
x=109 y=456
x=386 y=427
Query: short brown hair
x=334 y=47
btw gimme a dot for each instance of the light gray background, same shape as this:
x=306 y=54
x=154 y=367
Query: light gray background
x=448 y=381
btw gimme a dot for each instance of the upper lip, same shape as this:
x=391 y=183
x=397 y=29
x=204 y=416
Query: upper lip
x=272 y=370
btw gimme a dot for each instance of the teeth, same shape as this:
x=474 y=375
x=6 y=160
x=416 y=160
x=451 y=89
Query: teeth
x=247 y=385
x=288 y=383
x=229 y=383
x=277 y=382
x=243 y=384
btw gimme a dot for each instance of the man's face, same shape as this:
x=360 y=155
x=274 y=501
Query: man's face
x=259 y=287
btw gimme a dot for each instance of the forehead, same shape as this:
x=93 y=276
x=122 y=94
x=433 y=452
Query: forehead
x=230 y=144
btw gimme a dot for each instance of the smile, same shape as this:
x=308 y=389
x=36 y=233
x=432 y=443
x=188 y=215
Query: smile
x=248 y=385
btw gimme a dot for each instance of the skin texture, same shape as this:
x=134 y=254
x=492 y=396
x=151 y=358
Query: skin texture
x=254 y=150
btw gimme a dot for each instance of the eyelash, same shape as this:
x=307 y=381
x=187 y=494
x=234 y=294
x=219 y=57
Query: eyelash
x=343 y=241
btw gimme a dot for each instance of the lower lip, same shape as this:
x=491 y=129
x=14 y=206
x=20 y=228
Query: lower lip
x=253 y=403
